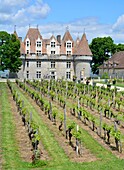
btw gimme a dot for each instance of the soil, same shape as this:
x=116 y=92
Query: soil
x=63 y=142
x=21 y=134
x=99 y=139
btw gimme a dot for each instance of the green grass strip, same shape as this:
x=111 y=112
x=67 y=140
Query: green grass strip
x=55 y=151
x=107 y=161
x=11 y=159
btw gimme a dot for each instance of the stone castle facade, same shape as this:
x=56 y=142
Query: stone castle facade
x=55 y=57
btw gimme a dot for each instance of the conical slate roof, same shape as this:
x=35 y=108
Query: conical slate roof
x=83 y=48
x=33 y=34
x=15 y=33
x=67 y=36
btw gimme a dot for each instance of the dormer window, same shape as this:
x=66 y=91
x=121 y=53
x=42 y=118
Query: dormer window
x=27 y=43
x=53 y=44
x=38 y=43
x=69 y=45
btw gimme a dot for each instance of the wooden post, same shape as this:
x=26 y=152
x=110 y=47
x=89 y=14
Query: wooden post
x=48 y=88
x=77 y=142
x=114 y=98
x=115 y=126
x=78 y=109
x=88 y=88
x=66 y=89
x=65 y=119
x=50 y=113
x=100 y=125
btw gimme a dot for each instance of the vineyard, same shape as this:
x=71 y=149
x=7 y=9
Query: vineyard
x=59 y=125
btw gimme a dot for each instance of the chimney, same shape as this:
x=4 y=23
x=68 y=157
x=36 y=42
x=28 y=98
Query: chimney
x=59 y=38
x=20 y=39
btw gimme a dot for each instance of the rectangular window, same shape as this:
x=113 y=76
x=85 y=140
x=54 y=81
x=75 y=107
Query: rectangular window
x=27 y=63
x=68 y=52
x=38 y=63
x=38 y=43
x=68 y=65
x=69 y=45
x=52 y=52
x=52 y=64
x=27 y=43
x=27 y=74
x=52 y=44
x=38 y=52
x=68 y=75
x=52 y=75
x=38 y=74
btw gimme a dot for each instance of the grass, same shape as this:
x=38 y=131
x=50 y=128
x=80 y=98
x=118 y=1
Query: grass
x=59 y=161
x=10 y=154
x=118 y=84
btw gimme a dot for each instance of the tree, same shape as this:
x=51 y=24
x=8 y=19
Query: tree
x=119 y=47
x=101 y=49
x=9 y=52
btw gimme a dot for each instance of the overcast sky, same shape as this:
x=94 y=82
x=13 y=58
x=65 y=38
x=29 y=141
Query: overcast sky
x=97 y=18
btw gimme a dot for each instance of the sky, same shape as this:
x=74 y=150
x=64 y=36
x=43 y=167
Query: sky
x=94 y=17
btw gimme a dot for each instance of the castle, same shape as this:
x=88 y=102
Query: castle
x=55 y=57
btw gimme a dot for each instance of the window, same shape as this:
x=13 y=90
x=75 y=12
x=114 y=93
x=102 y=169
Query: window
x=68 y=75
x=38 y=63
x=52 y=75
x=38 y=74
x=68 y=64
x=38 y=52
x=38 y=43
x=52 y=64
x=27 y=63
x=27 y=74
x=27 y=43
x=27 y=51
x=68 y=52
x=69 y=45
x=52 y=52
x=52 y=44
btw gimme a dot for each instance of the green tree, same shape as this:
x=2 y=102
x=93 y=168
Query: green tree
x=119 y=47
x=9 y=52
x=101 y=49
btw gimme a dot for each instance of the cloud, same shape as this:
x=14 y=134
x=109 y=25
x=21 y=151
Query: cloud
x=25 y=12
x=22 y=12
x=10 y=6
x=119 y=25
x=38 y=10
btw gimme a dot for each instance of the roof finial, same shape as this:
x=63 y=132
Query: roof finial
x=14 y=28
x=52 y=32
x=78 y=35
x=84 y=30
x=29 y=25
x=37 y=26
x=67 y=28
